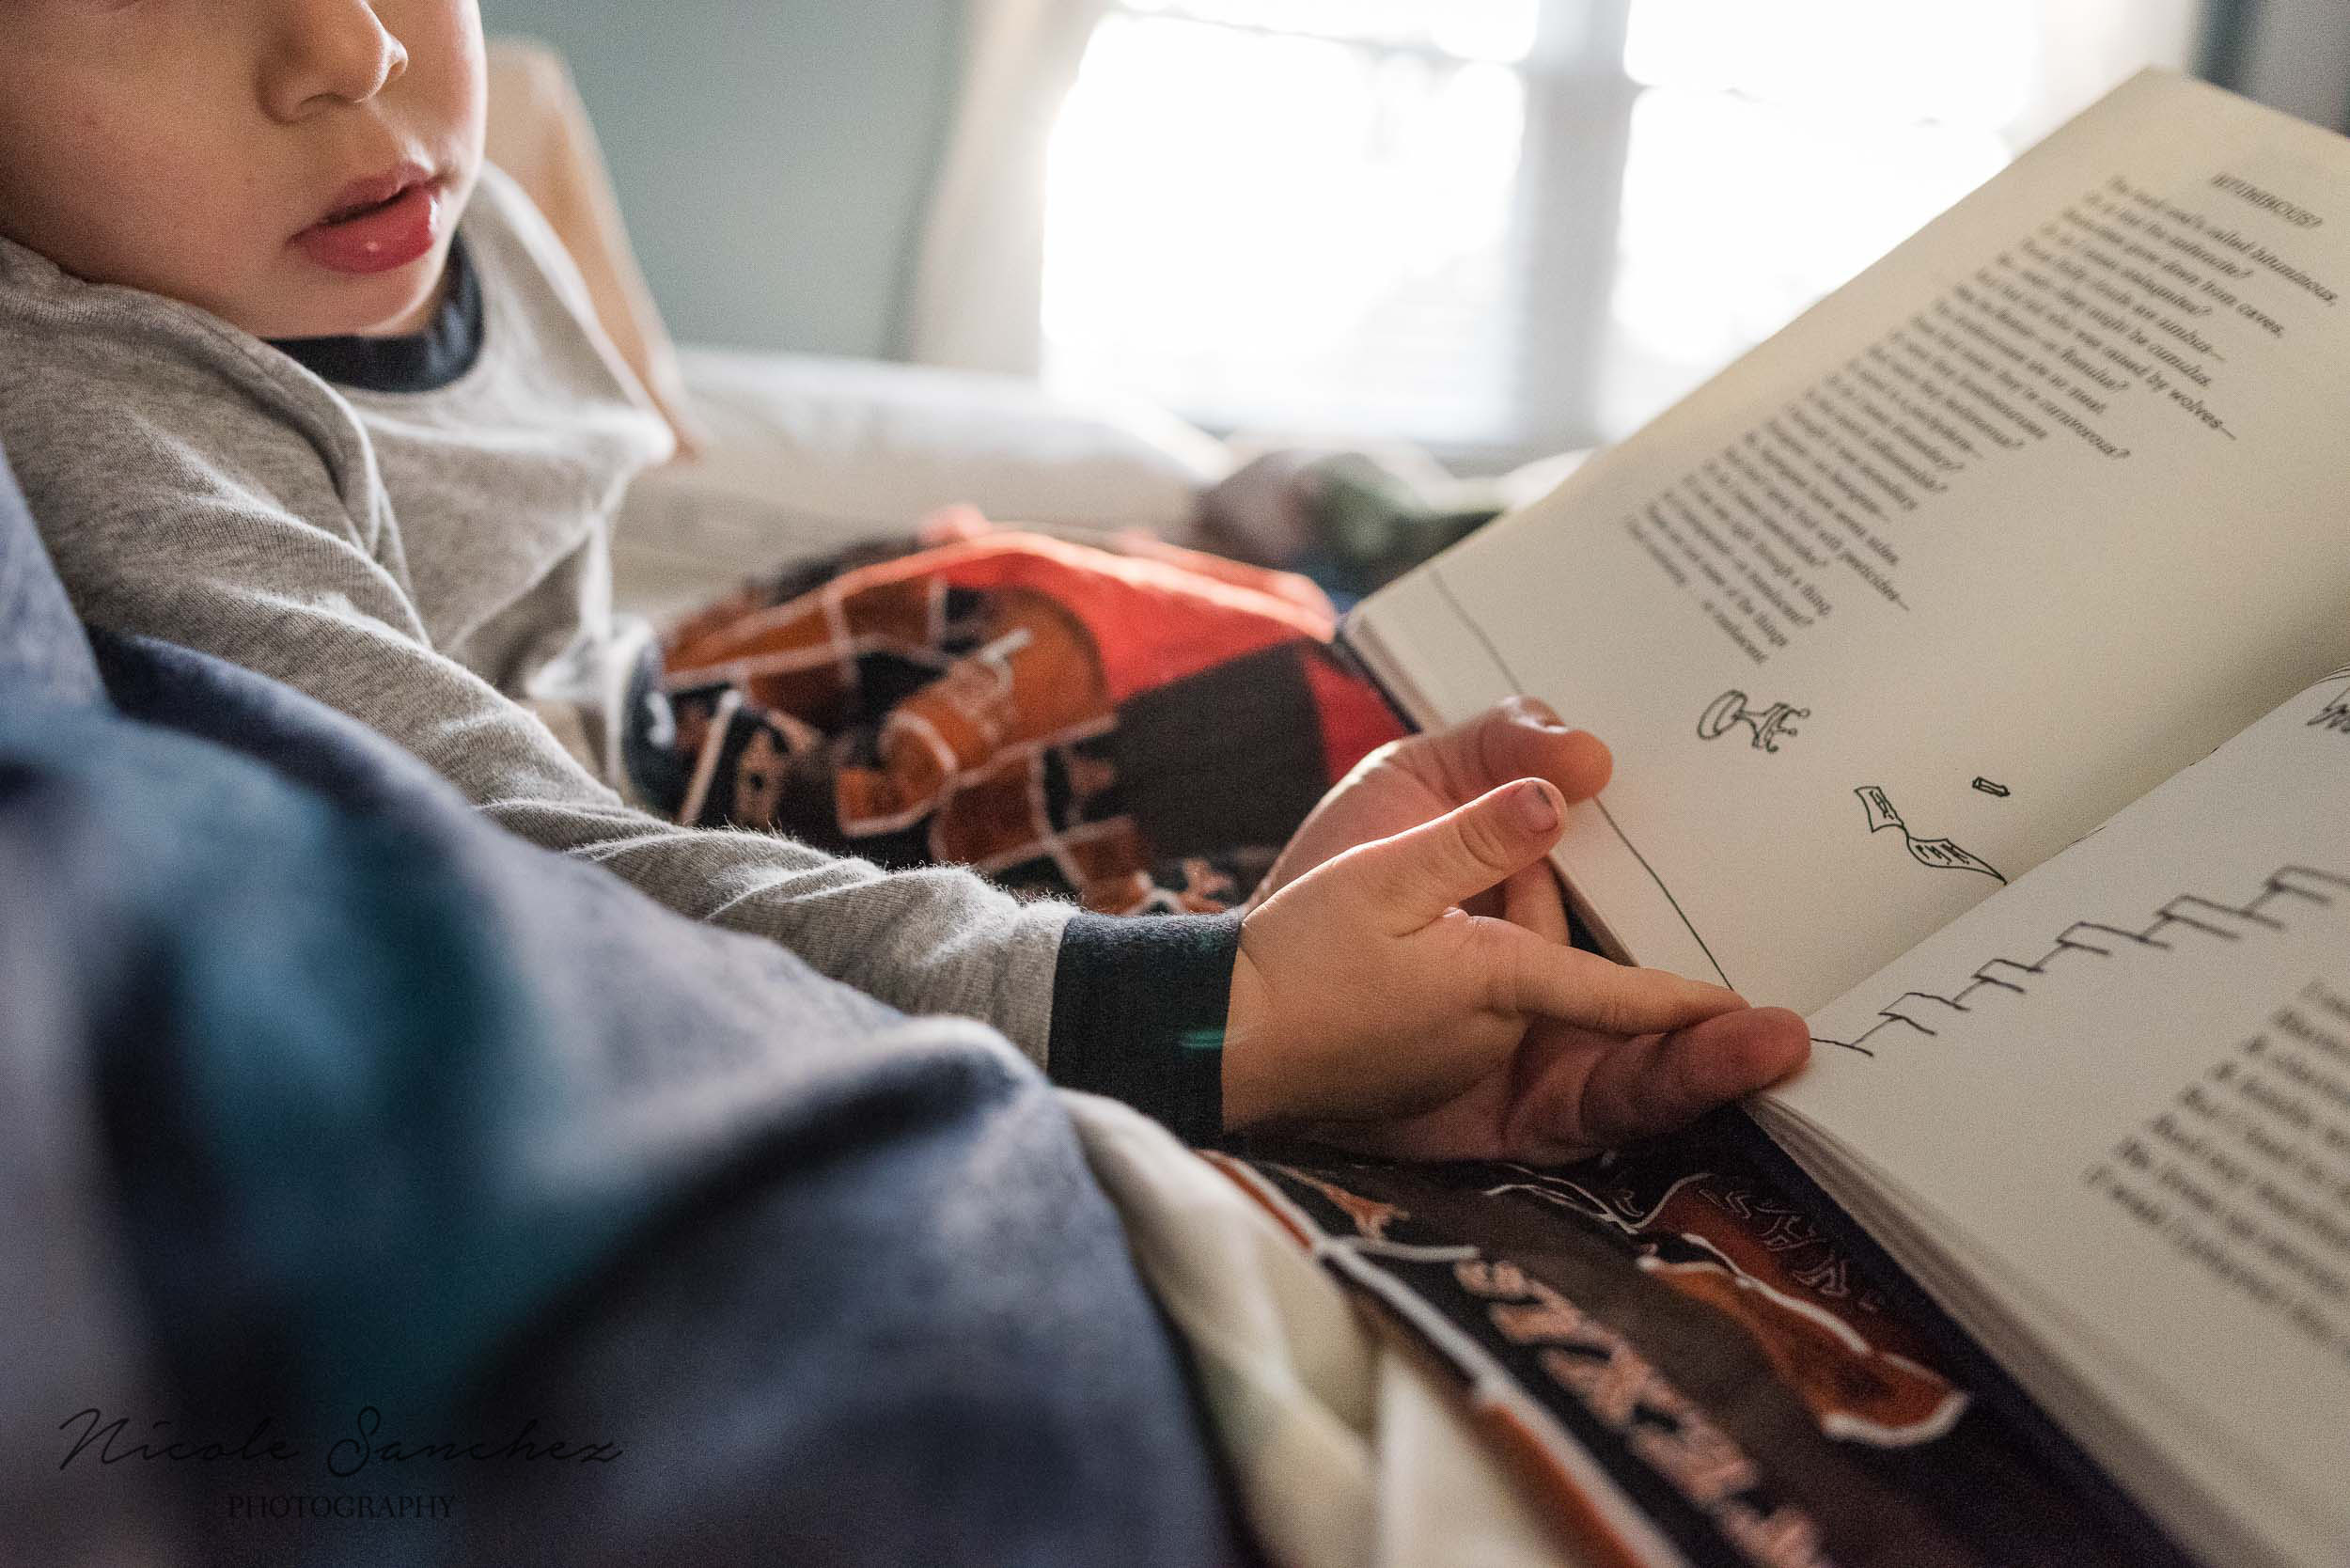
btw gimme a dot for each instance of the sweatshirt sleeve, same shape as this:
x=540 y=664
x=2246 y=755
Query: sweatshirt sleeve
x=1138 y=1011
x=240 y=543
x=195 y=488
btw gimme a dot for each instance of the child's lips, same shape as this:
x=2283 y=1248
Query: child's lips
x=379 y=238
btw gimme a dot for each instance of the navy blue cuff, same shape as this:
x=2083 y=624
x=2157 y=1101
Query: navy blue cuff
x=1138 y=1008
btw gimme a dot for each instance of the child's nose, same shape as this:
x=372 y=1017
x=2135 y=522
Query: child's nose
x=324 y=52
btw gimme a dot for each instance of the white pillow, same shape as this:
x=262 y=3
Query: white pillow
x=809 y=453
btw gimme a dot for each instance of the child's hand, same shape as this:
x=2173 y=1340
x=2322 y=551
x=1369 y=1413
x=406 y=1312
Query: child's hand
x=1566 y=1093
x=1422 y=777
x=1365 y=994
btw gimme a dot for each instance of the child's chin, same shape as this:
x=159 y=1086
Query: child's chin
x=387 y=305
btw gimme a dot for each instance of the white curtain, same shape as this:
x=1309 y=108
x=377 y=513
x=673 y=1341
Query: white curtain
x=2087 y=47
x=978 y=289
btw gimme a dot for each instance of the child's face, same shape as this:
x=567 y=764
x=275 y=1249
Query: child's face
x=194 y=148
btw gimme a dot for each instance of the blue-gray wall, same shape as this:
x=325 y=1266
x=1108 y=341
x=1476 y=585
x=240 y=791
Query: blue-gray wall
x=2292 y=55
x=771 y=156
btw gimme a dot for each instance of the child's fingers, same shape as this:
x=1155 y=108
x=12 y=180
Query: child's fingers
x=1524 y=738
x=1520 y=738
x=1651 y=1086
x=1417 y=876
x=1525 y=974
x=1531 y=899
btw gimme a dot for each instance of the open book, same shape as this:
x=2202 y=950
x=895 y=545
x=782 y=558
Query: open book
x=1973 y=654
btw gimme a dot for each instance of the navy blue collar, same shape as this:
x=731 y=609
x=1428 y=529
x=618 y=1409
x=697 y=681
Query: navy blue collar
x=420 y=362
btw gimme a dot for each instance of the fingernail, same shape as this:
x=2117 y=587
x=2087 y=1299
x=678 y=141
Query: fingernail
x=1536 y=808
x=1542 y=713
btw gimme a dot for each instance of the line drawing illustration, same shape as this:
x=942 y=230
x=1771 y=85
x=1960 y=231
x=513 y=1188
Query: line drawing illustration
x=1939 y=854
x=2287 y=888
x=1988 y=787
x=1769 y=725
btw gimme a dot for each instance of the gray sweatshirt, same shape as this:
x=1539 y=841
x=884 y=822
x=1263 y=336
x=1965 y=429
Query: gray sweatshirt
x=423 y=561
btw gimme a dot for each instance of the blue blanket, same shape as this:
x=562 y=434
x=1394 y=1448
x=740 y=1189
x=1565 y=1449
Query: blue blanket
x=380 y=1152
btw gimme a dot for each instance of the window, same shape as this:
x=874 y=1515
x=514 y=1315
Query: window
x=1503 y=227
x=1274 y=211
x=1820 y=133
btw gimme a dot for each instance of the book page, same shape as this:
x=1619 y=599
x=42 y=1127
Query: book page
x=2030 y=515
x=2123 y=1085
